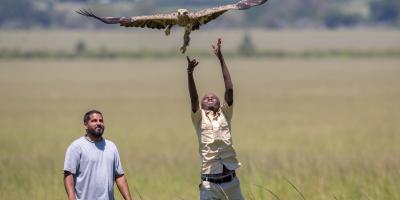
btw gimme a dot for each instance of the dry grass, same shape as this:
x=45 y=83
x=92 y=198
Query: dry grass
x=330 y=127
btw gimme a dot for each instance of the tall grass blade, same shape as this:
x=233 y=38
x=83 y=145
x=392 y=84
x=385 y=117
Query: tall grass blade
x=137 y=191
x=298 y=191
x=335 y=197
x=270 y=191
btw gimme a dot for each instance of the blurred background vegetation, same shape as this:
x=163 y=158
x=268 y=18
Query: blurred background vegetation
x=272 y=30
x=25 y=14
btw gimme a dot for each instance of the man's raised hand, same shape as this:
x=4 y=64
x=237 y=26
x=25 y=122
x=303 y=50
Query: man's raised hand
x=191 y=64
x=217 y=48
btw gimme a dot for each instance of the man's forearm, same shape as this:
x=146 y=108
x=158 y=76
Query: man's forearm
x=227 y=81
x=225 y=73
x=123 y=187
x=194 y=97
x=69 y=186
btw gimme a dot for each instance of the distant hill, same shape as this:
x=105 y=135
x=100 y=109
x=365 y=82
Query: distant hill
x=275 y=14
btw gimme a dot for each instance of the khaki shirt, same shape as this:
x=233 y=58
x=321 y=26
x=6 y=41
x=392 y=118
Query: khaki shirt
x=215 y=141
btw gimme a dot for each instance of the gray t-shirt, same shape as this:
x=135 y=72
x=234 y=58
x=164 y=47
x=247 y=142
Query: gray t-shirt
x=95 y=166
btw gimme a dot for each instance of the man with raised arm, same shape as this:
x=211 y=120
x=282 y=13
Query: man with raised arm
x=213 y=127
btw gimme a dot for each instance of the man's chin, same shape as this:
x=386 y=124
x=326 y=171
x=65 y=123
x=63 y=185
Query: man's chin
x=96 y=134
x=99 y=134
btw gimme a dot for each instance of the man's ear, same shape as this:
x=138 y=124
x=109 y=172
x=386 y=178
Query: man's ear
x=85 y=125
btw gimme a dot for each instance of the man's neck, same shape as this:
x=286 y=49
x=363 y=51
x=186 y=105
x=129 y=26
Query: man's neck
x=211 y=110
x=214 y=112
x=93 y=138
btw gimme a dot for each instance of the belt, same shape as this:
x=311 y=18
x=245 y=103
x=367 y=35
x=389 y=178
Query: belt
x=220 y=179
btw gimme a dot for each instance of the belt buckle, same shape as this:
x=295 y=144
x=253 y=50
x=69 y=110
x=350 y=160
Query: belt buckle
x=224 y=179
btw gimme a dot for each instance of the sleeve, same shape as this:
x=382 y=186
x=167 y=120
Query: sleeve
x=118 y=170
x=196 y=118
x=227 y=110
x=72 y=158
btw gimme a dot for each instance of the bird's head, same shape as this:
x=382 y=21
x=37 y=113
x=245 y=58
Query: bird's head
x=183 y=12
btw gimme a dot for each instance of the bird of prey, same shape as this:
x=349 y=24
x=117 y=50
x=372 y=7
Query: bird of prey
x=190 y=21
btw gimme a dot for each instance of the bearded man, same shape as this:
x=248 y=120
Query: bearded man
x=92 y=164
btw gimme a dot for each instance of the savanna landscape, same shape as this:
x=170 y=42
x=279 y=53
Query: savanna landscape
x=304 y=127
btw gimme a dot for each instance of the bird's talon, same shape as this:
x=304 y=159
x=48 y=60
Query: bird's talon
x=167 y=32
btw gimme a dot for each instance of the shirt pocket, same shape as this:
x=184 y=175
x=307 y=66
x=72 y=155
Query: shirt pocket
x=207 y=135
x=225 y=131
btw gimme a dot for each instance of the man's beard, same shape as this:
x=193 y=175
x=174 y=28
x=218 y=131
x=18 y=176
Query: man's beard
x=96 y=132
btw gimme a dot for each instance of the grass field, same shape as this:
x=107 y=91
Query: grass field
x=328 y=126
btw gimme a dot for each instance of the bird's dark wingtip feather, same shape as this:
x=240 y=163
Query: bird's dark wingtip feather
x=87 y=13
x=90 y=13
x=245 y=4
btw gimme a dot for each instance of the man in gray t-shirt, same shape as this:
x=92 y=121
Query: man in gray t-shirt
x=92 y=164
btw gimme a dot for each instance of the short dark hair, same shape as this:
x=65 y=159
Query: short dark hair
x=86 y=117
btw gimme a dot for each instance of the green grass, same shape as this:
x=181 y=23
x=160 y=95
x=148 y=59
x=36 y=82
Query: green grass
x=329 y=127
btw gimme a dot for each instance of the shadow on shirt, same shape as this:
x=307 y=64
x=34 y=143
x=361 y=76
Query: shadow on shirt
x=101 y=144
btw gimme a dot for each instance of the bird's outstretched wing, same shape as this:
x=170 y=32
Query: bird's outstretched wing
x=206 y=15
x=158 y=21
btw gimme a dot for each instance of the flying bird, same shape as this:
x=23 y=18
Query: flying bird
x=190 y=21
